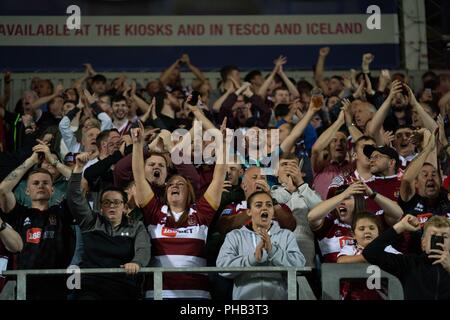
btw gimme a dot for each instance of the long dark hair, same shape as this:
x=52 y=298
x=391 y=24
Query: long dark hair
x=360 y=204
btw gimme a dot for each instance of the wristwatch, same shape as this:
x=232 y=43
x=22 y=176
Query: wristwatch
x=3 y=226
x=373 y=195
x=55 y=162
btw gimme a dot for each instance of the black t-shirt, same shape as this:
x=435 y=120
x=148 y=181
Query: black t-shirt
x=48 y=240
x=424 y=208
x=48 y=120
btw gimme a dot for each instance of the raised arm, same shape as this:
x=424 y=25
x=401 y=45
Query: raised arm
x=52 y=159
x=265 y=86
x=397 y=264
x=198 y=114
x=291 y=87
x=144 y=106
x=43 y=100
x=164 y=78
x=383 y=80
x=427 y=121
x=367 y=59
x=219 y=102
x=76 y=201
x=374 y=127
x=354 y=131
x=214 y=192
x=323 y=141
x=67 y=134
x=7 y=199
x=88 y=72
x=320 y=67
x=317 y=215
x=144 y=192
x=407 y=186
x=392 y=211
x=196 y=71
x=299 y=128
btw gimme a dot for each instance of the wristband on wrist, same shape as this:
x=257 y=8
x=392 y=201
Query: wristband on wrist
x=373 y=195
x=3 y=226
x=55 y=162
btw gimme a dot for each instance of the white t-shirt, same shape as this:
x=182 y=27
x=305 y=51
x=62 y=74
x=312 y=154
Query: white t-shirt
x=354 y=250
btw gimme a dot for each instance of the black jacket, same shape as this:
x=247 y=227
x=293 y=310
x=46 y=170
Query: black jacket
x=107 y=247
x=420 y=279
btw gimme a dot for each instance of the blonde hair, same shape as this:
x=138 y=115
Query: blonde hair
x=437 y=222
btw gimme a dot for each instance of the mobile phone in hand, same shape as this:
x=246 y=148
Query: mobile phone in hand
x=435 y=240
x=135 y=124
x=194 y=100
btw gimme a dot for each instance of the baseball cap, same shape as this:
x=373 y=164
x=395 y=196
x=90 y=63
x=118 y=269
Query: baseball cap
x=390 y=152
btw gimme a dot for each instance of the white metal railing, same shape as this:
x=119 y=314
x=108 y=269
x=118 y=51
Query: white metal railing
x=305 y=292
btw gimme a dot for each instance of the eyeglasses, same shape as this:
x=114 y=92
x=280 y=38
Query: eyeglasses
x=107 y=203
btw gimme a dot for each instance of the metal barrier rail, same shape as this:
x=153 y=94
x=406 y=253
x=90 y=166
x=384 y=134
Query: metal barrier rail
x=158 y=276
x=332 y=273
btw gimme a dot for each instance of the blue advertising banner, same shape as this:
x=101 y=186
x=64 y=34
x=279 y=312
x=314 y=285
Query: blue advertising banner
x=129 y=42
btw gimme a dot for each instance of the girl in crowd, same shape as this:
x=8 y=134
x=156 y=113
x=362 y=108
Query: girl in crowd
x=331 y=220
x=366 y=227
x=260 y=243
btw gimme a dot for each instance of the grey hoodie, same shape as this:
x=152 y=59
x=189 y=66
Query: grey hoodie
x=238 y=250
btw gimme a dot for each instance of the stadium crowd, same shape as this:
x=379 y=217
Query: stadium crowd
x=88 y=178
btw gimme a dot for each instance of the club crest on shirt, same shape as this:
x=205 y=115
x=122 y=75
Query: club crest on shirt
x=27 y=221
x=192 y=221
x=419 y=207
x=52 y=219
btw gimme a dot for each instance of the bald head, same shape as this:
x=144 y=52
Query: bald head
x=251 y=176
